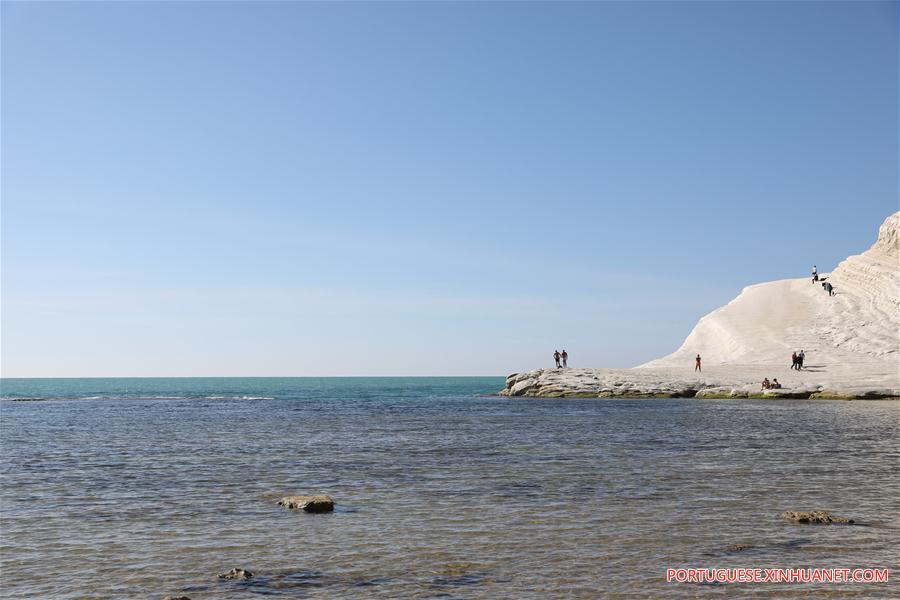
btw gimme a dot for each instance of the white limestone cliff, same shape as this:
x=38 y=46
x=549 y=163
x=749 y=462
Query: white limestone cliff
x=768 y=321
x=851 y=340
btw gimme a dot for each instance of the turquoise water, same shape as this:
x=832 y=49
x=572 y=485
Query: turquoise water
x=140 y=488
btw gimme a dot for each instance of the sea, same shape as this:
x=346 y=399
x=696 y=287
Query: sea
x=146 y=488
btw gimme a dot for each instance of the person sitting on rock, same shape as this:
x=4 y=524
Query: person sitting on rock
x=775 y=385
x=565 y=358
x=765 y=383
x=556 y=356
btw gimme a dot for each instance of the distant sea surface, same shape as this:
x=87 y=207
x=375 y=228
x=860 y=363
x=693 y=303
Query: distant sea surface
x=142 y=488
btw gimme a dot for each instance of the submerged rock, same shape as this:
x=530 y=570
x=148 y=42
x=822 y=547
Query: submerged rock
x=176 y=598
x=815 y=517
x=236 y=574
x=312 y=504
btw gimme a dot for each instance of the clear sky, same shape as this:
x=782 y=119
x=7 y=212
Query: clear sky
x=412 y=189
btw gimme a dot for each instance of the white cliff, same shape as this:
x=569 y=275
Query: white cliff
x=851 y=340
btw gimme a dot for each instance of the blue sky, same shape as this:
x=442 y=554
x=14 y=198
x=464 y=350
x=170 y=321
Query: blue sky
x=412 y=189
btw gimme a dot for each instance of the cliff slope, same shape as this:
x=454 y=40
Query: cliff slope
x=768 y=321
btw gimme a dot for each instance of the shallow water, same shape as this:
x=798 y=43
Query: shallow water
x=143 y=488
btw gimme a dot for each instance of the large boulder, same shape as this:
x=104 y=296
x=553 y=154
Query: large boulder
x=311 y=504
x=815 y=517
x=523 y=386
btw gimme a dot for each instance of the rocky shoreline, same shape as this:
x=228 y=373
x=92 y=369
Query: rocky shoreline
x=662 y=383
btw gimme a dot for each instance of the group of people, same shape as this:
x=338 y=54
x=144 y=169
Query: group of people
x=797 y=359
x=564 y=357
x=770 y=385
x=826 y=285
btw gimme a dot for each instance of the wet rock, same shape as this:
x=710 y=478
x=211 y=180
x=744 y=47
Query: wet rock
x=815 y=517
x=738 y=547
x=311 y=504
x=831 y=395
x=236 y=574
x=176 y=598
x=797 y=394
x=878 y=394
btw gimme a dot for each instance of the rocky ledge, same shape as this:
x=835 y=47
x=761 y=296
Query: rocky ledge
x=732 y=382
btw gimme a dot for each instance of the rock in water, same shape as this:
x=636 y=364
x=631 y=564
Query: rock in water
x=236 y=574
x=176 y=598
x=312 y=504
x=815 y=517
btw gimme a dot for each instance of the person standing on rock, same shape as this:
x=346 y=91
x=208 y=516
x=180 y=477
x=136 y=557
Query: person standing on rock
x=815 y=274
x=697 y=364
x=794 y=360
x=556 y=356
x=829 y=288
x=565 y=358
x=800 y=358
